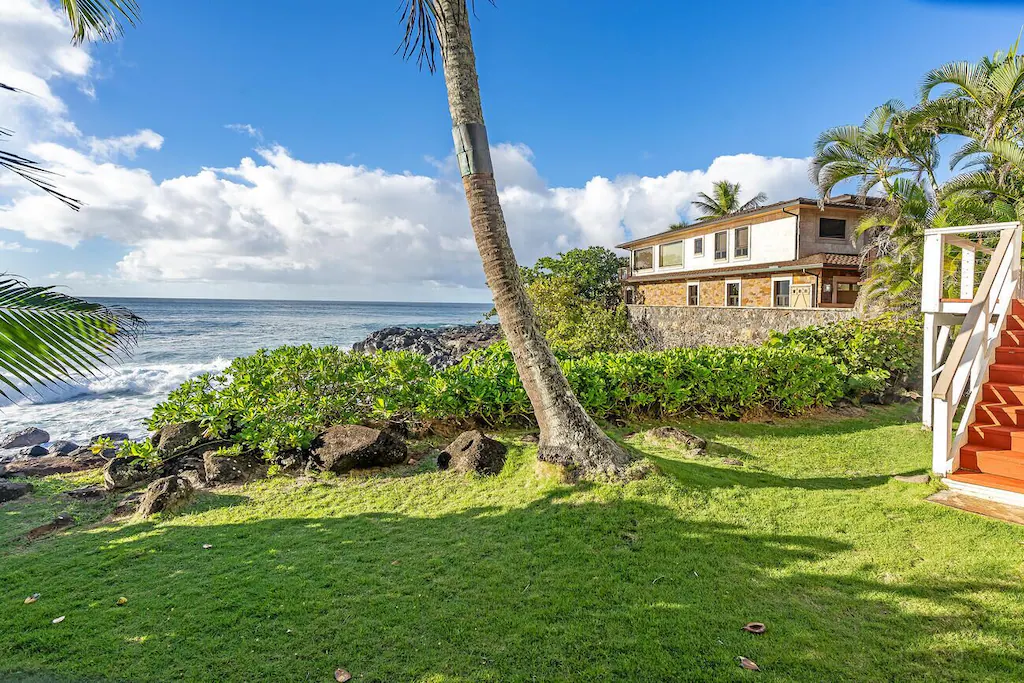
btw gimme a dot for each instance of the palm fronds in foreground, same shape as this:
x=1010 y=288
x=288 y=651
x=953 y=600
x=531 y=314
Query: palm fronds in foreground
x=47 y=336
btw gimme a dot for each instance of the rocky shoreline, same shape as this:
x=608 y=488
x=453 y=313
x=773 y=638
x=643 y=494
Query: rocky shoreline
x=442 y=346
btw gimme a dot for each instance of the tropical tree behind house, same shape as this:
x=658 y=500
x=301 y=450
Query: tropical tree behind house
x=895 y=153
x=47 y=336
x=725 y=200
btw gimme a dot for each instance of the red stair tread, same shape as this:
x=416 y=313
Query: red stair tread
x=1008 y=414
x=992 y=481
x=989 y=460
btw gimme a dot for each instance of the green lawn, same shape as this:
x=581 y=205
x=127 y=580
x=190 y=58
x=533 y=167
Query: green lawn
x=423 y=576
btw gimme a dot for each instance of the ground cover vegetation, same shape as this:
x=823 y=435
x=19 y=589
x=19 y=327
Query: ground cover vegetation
x=412 y=574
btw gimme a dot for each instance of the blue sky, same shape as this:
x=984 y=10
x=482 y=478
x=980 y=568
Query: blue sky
x=611 y=115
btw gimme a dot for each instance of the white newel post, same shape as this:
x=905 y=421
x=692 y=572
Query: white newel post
x=941 y=437
x=928 y=370
x=967 y=273
x=931 y=285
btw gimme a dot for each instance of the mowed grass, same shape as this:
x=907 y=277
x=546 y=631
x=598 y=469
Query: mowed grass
x=425 y=576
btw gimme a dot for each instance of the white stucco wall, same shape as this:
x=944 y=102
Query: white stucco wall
x=769 y=242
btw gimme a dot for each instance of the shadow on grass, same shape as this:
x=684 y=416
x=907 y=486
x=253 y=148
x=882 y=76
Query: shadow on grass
x=559 y=589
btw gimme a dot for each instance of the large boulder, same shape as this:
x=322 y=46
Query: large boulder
x=172 y=438
x=227 y=469
x=61 y=447
x=32 y=436
x=188 y=461
x=473 y=452
x=51 y=464
x=12 y=490
x=166 y=494
x=32 y=452
x=346 y=447
x=124 y=472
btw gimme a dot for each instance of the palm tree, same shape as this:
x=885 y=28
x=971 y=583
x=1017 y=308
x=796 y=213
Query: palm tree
x=874 y=153
x=47 y=336
x=568 y=436
x=725 y=201
x=984 y=102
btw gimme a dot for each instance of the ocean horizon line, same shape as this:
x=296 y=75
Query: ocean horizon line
x=294 y=301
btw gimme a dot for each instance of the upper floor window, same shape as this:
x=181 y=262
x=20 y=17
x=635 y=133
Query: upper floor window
x=698 y=246
x=671 y=255
x=741 y=242
x=833 y=228
x=721 y=246
x=643 y=259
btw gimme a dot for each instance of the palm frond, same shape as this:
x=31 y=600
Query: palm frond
x=422 y=21
x=33 y=172
x=757 y=202
x=99 y=19
x=48 y=337
x=963 y=76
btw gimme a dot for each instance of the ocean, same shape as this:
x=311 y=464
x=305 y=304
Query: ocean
x=186 y=337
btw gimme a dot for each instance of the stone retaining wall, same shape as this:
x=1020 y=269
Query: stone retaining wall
x=692 y=326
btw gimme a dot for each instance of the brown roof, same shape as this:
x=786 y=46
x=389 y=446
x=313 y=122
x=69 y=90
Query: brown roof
x=807 y=262
x=844 y=201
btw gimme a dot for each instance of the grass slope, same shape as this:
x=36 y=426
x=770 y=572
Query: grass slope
x=423 y=576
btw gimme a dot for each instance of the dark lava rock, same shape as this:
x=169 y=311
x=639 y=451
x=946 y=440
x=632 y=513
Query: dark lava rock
x=442 y=347
x=179 y=464
x=51 y=464
x=124 y=472
x=226 y=469
x=473 y=452
x=87 y=492
x=12 y=490
x=61 y=521
x=127 y=505
x=347 y=447
x=165 y=495
x=61 y=447
x=676 y=435
x=172 y=438
x=106 y=453
x=116 y=437
x=32 y=452
x=32 y=436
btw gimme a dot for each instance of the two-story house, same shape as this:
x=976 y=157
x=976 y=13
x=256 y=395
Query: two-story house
x=791 y=254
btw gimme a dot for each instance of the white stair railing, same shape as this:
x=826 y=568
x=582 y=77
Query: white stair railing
x=953 y=376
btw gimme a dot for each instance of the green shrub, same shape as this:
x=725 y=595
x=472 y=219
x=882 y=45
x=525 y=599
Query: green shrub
x=876 y=356
x=281 y=399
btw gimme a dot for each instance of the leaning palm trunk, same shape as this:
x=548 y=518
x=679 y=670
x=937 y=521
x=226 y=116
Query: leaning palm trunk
x=567 y=434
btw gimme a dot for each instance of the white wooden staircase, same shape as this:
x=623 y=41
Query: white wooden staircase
x=974 y=363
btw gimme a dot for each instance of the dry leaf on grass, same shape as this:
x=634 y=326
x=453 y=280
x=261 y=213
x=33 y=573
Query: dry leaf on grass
x=57 y=620
x=341 y=676
x=32 y=598
x=122 y=601
x=755 y=627
x=207 y=546
x=748 y=664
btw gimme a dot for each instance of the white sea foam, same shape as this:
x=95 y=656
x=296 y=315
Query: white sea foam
x=119 y=400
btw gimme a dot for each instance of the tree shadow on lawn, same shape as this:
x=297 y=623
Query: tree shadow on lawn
x=563 y=588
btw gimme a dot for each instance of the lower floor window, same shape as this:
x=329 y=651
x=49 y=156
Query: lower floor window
x=780 y=293
x=732 y=293
x=846 y=292
x=693 y=295
x=630 y=296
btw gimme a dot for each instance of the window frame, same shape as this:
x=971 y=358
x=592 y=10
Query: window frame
x=736 y=243
x=831 y=237
x=682 y=255
x=714 y=246
x=698 y=241
x=739 y=293
x=789 y=292
x=633 y=260
x=689 y=286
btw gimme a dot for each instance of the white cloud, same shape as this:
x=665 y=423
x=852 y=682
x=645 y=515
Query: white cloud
x=16 y=246
x=125 y=145
x=277 y=220
x=245 y=129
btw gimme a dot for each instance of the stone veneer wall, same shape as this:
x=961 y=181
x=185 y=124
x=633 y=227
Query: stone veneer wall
x=679 y=326
x=755 y=290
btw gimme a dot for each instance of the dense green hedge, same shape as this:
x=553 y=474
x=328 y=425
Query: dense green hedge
x=876 y=356
x=283 y=398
